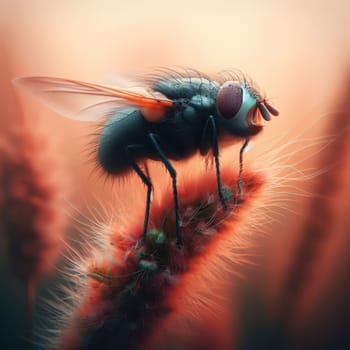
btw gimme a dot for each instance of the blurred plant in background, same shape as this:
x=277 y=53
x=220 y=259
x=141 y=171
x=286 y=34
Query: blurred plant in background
x=30 y=206
x=298 y=266
x=322 y=218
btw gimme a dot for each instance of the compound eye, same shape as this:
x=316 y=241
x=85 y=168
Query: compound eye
x=229 y=99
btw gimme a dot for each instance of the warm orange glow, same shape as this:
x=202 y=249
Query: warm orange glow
x=298 y=53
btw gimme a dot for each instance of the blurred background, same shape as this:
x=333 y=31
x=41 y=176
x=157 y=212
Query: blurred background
x=294 y=294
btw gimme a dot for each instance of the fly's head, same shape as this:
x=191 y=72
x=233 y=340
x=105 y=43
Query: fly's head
x=241 y=109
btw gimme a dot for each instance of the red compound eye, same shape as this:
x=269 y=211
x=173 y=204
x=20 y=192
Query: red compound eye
x=229 y=99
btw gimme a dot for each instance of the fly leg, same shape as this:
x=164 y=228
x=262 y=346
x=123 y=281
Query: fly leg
x=210 y=124
x=145 y=179
x=172 y=172
x=239 y=182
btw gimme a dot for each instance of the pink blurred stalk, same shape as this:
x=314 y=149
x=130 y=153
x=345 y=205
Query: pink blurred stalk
x=30 y=209
x=30 y=199
x=321 y=219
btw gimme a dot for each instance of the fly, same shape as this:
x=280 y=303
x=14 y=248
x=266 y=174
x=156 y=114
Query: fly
x=173 y=117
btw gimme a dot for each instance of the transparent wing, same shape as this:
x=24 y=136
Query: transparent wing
x=86 y=101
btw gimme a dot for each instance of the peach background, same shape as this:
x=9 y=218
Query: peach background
x=297 y=51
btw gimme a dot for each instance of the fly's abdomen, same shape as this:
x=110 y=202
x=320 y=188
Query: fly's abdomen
x=126 y=128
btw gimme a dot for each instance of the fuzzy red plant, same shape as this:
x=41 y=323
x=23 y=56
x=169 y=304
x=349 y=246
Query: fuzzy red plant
x=129 y=290
x=30 y=206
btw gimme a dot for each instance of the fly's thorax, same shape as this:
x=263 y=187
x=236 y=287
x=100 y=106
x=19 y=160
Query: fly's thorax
x=195 y=109
x=186 y=87
x=194 y=97
x=201 y=104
